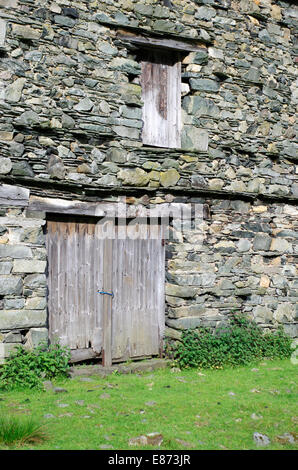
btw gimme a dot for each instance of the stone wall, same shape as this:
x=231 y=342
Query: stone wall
x=71 y=98
x=242 y=258
x=23 y=292
x=70 y=127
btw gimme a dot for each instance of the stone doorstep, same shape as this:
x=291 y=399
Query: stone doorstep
x=133 y=367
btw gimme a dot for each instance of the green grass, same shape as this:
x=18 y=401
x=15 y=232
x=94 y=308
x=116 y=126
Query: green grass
x=16 y=431
x=209 y=409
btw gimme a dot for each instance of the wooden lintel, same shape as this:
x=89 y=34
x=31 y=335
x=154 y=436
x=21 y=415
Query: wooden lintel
x=62 y=206
x=170 y=44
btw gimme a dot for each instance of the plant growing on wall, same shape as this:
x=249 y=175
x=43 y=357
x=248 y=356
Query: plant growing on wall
x=239 y=343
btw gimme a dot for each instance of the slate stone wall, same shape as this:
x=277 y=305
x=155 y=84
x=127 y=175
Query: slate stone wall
x=70 y=127
x=241 y=258
x=23 y=286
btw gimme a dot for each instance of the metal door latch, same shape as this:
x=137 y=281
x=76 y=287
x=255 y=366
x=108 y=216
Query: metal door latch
x=107 y=293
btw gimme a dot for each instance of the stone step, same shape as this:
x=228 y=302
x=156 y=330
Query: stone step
x=124 y=368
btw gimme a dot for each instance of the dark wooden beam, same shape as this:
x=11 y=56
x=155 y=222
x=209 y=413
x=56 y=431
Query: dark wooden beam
x=169 y=44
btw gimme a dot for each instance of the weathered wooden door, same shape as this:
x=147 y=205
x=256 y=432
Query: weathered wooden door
x=138 y=277
x=75 y=270
x=106 y=296
x=161 y=94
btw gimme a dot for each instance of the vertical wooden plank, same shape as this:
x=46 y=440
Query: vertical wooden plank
x=148 y=99
x=72 y=283
x=107 y=301
x=174 y=105
x=62 y=317
x=98 y=270
x=160 y=285
x=120 y=312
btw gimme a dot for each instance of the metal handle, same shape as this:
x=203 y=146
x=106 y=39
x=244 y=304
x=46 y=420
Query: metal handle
x=106 y=293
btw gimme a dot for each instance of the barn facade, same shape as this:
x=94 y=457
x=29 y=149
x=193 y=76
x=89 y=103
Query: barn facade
x=148 y=171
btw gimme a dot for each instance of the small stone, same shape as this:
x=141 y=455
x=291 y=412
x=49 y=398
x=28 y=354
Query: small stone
x=97 y=155
x=255 y=416
x=105 y=107
x=280 y=244
x=49 y=416
x=264 y=281
x=215 y=184
x=184 y=443
x=204 y=84
x=25 y=32
x=84 y=105
x=29 y=266
x=154 y=439
x=150 y=403
x=60 y=390
x=260 y=209
x=80 y=402
x=5 y=165
x=63 y=405
x=261 y=440
x=16 y=149
x=46 y=141
x=6 y=136
x=83 y=168
x=136 y=177
x=13 y=92
x=28 y=118
x=104 y=396
x=243 y=245
x=67 y=122
x=194 y=138
x=287 y=438
x=10 y=285
x=276 y=12
x=47 y=385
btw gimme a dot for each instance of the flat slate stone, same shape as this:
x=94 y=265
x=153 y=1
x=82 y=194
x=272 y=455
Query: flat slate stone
x=134 y=367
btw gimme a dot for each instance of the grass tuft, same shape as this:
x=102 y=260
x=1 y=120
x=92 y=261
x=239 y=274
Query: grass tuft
x=16 y=430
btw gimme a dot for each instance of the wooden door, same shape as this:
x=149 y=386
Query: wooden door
x=138 y=277
x=127 y=324
x=161 y=94
x=75 y=270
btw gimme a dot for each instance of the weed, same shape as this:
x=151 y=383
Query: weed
x=239 y=343
x=27 y=368
x=18 y=431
